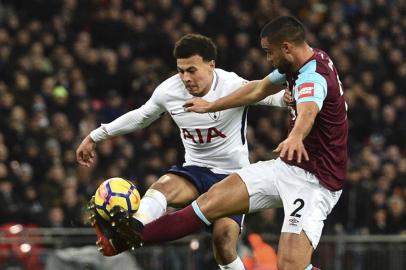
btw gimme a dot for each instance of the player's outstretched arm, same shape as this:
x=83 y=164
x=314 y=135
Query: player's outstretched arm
x=126 y=123
x=248 y=94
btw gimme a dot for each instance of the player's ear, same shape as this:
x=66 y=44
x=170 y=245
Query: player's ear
x=286 y=47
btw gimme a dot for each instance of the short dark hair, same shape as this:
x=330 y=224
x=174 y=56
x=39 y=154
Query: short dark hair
x=284 y=28
x=195 y=44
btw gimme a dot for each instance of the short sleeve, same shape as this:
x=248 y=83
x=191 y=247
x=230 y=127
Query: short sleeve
x=311 y=87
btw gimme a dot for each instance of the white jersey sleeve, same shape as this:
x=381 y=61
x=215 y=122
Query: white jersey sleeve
x=133 y=120
x=273 y=100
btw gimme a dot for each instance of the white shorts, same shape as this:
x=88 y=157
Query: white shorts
x=306 y=203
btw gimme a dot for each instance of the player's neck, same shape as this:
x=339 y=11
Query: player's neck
x=303 y=55
x=208 y=87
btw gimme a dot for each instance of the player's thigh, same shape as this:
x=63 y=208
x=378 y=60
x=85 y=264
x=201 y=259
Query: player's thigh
x=259 y=179
x=178 y=190
x=294 y=251
x=226 y=198
x=225 y=236
x=306 y=203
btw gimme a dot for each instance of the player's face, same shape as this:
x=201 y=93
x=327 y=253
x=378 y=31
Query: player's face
x=276 y=55
x=196 y=74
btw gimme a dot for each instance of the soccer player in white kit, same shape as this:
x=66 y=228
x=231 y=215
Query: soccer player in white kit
x=215 y=143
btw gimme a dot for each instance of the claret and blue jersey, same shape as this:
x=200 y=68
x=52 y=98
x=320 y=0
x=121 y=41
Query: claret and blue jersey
x=317 y=81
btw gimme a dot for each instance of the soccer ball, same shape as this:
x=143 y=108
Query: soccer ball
x=116 y=191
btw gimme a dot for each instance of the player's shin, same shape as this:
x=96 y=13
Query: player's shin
x=152 y=206
x=174 y=226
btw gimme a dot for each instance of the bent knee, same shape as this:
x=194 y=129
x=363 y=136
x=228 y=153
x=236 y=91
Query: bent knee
x=210 y=202
x=224 y=239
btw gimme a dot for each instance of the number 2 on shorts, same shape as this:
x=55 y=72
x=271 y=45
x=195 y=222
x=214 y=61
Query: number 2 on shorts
x=301 y=205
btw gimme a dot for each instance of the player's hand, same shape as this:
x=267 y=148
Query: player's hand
x=86 y=152
x=292 y=146
x=287 y=97
x=197 y=105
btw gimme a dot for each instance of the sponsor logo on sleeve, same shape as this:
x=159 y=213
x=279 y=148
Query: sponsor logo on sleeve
x=306 y=90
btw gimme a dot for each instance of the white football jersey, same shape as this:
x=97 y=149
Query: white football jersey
x=214 y=140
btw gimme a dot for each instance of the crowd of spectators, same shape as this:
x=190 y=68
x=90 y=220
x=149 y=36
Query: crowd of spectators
x=66 y=66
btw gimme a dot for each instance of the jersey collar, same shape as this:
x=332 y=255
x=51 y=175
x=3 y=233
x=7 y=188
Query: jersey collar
x=214 y=84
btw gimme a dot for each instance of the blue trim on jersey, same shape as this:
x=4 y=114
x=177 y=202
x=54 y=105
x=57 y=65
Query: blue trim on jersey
x=277 y=78
x=243 y=121
x=308 y=67
x=199 y=213
x=308 y=74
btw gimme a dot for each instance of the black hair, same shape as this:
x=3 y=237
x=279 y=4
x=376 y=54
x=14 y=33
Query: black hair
x=284 y=28
x=195 y=44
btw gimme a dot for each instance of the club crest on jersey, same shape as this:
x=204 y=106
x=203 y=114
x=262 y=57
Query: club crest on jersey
x=214 y=115
x=306 y=90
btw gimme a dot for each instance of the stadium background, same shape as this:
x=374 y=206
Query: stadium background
x=67 y=66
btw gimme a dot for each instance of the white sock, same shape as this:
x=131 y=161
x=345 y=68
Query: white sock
x=309 y=267
x=235 y=265
x=152 y=206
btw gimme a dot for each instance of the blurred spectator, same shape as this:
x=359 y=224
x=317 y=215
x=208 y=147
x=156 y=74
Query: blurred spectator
x=379 y=222
x=33 y=210
x=397 y=215
x=266 y=221
x=56 y=217
x=354 y=204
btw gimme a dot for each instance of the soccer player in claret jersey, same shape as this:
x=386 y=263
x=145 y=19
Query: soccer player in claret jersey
x=215 y=145
x=307 y=178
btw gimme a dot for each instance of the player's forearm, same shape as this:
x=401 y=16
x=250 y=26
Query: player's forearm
x=119 y=126
x=304 y=123
x=124 y=124
x=248 y=94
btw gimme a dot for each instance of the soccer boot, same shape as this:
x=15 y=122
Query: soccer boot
x=127 y=226
x=109 y=242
